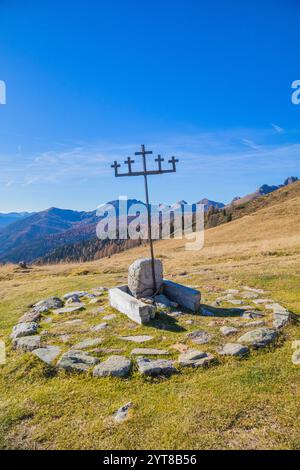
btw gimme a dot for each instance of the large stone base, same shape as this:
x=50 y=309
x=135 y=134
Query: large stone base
x=121 y=299
x=135 y=309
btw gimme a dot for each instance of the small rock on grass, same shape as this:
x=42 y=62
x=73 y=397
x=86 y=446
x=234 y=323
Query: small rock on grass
x=76 y=293
x=228 y=330
x=24 y=329
x=73 y=308
x=122 y=413
x=194 y=358
x=88 y=343
x=114 y=366
x=199 y=337
x=47 y=304
x=137 y=339
x=99 y=327
x=74 y=360
x=109 y=317
x=149 y=351
x=47 y=354
x=27 y=343
x=30 y=316
x=259 y=338
x=233 y=349
x=155 y=367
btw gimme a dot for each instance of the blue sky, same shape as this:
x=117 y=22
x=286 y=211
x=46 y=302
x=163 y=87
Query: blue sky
x=88 y=82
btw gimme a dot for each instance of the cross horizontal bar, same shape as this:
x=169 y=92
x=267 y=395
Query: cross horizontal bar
x=142 y=173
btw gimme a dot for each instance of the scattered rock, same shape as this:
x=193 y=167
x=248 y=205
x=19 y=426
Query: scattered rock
x=22 y=264
x=27 y=343
x=99 y=327
x=72 y=299
x=74 y=360
x=24 y=329
x=148 y=351
x=140 y=281
x=64 y=338
x=137 y=339
x=259 y=338
x=199 y=336
x=47 y=354
x=155 y=367
x=95 y=301
x=88 y=343
x=262 y=301
x=76 y=293
x=228 y=330
x=114 y=366
x=122 y=413
x=30 y=316
x=249 y=295
x=189 y=322
x=109 y=317
x=233 y=349
x=194 y=358
x=48 y=304
x=98 y=291
x=107 y=350
x=232 y=291
x=281 y=319
x=296 y=357
x=175 y=314
x=74 y=308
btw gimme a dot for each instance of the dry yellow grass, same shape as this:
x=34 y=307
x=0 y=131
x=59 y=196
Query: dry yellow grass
x=241 y=404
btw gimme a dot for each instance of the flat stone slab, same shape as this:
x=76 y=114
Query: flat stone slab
x=228 y=330
x=194 y=358
x=74 y=360
x=262 y=301
x=47 y=354
x=30 y=316
x=135 y=309
x=259 y=338
x=114 y=366
x=184 y=296
x=77 y=293
x=233 y=349
x=252 y=314
x=88 y=343
x=72 y=299
x=137 y=339
x=109 y=317
x=199 y=337
x=24 y=329
x=76 y=321
x=99 y=327
x=95 y=301
x=27 y=343
x=47 y=304
x=74 y=308
x=155 y=367
x=149 y=352
x=252 y=289
x=235 y=301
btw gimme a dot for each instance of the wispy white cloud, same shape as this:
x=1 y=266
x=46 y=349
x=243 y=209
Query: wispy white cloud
x=278 y=129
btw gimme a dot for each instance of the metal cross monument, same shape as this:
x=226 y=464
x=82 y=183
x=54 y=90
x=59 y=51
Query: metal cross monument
x=145 y=173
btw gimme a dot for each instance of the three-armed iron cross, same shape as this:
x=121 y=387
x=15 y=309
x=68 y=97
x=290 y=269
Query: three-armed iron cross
x=145 y=173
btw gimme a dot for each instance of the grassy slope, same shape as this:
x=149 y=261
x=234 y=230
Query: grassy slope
x=238 y=404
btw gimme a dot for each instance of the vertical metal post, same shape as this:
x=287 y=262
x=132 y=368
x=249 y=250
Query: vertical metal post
x=149 y=220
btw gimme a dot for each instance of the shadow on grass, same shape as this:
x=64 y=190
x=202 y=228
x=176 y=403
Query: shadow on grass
x=163 y=321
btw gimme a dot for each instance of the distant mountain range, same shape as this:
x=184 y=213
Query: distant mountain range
x=57 y=235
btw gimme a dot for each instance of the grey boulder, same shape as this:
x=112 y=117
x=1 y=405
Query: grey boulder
x=199 y=337
x=24 y=329
x=27 y=343
x=140 y=282
x=155 y=367
x=48 y=304
x=114 y=366
x=228 y=330
x=259 y=338
x=74 y=360
x=47 y=354
x=194 y=358
x=233 y=349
